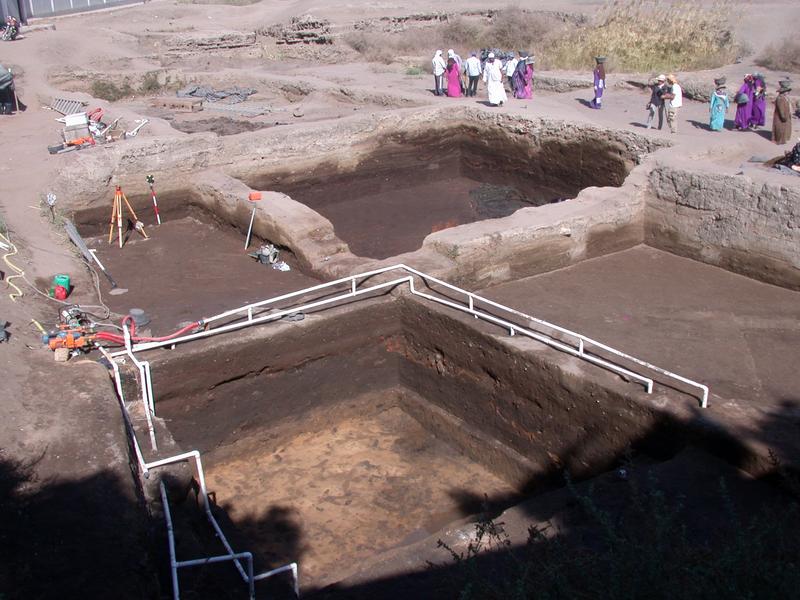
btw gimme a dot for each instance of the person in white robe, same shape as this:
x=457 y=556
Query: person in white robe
x=493 y=78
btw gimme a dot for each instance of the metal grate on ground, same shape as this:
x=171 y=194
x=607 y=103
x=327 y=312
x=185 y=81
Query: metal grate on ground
x=65 y=106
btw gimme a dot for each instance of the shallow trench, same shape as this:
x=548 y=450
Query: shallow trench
x=408 y=184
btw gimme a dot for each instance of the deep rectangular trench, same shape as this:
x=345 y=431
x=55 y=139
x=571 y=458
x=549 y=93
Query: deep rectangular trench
x=415 y=412
x=408 y=184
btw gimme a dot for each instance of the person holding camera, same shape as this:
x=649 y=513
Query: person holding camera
x=673 y=100
x=656 y=103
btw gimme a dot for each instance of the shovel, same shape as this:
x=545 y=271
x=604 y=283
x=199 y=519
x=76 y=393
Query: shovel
x=76 y=238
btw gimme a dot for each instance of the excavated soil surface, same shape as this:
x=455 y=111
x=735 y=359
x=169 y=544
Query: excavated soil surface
x=220 y=125
x=346 y=484
x=737 y=335
x=189 y=268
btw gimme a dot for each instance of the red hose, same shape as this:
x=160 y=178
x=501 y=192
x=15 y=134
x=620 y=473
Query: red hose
x=119 y=338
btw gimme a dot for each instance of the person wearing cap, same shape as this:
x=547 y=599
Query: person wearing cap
x=718 y=105
x=673 y=100
x=656 y=103
x=744 y=103
x=439 y=67
x=510 y=67
x=473 y=70
x=782 y=118
x=599 y=81
x=493 y=78
x=758 y=116
x=523 y=79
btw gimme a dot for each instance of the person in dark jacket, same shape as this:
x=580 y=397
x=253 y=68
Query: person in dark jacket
x=782 y=119
x=656 y=103
x=7 y=97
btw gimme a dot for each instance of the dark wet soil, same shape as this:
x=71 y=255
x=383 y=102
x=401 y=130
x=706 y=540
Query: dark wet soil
x=189 y=269
x=386 y=215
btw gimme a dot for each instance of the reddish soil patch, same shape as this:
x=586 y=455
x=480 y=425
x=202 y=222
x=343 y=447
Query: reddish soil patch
x=344 y=484
x=190 y=269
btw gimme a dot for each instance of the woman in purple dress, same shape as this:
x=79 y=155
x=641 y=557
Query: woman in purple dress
x=523 y=79
x=599 y=81
x=744 y=103
x=453 y=78
x=758 y=118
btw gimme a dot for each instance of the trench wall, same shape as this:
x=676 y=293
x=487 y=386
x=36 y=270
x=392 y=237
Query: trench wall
x=734 y=222
x=211 y=390
x=519 y=413
x=534 y=401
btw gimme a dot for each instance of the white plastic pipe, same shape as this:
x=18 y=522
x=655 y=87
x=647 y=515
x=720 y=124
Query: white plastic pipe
x=580 y=340
x=147 y=403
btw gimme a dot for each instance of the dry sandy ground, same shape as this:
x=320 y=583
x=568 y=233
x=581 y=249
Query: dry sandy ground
x=39 y=415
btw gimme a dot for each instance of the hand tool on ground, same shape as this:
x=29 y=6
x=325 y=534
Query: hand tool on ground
x=76 y=144
x=150 y=181
x=253 y=197
x=90 y=257
x=266 y=254
x=116 y=214
x=51 y=204
x=133 y=132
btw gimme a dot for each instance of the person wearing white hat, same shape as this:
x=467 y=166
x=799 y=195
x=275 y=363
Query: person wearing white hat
x=493 y=78
x=439 y=67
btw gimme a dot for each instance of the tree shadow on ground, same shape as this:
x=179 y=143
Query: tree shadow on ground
x=671 y=513
x=683 y=519
x=84 y=538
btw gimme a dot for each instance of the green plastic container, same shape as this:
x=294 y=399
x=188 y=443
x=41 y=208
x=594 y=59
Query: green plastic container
x=62 y=280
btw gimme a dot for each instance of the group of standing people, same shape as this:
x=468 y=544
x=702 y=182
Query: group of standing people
x=455 y=77
x=751 y=106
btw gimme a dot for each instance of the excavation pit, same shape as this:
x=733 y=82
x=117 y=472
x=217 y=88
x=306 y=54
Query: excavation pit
x=409 y=184
x=366 y=429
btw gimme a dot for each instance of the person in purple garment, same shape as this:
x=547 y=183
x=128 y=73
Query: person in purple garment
x=599 y=81
x=523 y=79
x=744 y=103
x=758 y=117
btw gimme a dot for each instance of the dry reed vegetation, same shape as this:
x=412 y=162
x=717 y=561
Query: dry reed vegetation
x=636 y=35
x=783 y=56
x=650 y=35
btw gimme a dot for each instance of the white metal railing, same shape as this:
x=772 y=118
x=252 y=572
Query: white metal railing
x=252 y=314
x=236 y=557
